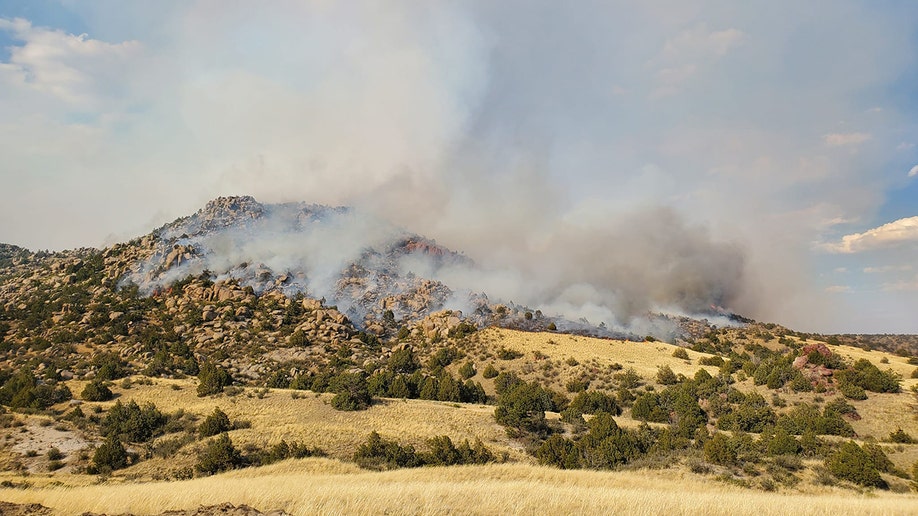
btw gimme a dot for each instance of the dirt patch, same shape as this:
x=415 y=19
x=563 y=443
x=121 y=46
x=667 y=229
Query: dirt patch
x=225 y=509
x=38 y=440
x=15 y=509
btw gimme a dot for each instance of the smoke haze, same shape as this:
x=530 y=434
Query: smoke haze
x=605 y=160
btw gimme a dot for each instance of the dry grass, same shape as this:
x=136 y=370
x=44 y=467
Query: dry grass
x=644 y=357
x=321 y=486
x=312 y=421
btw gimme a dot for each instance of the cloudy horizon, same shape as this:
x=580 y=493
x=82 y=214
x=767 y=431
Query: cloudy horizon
x=777 y=139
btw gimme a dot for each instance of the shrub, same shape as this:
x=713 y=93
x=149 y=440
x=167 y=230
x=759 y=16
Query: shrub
x=628 y=379
x=508 y=354
x=577 y=385
x=132 y=422
x=522 y=407
x=869 y=377
x=110 y=455
x=593 y=402
x=442 y=358
x=22 y=390
x=718 y=450
x=607 y=445
x=559 y=452
x=852 y=391
x=96 y=391
x=666 y=376
x=782 y=443
x=381 y=453
x=649 y=407
x=714 y=360
x=680 y=353
x=467 y=370
x=899 y=436
x=110 y=366
x=403 y=361
x=219 y=455
x=752 y=415
x=212 y=379
x=489 y=372
x=351 y=392
x=214 y=424
x=852 y=463
x=55 y=454
x=298 y=339
x=442 y=452
x=461 y=330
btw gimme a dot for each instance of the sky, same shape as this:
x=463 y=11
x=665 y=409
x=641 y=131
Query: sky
x=778 y=138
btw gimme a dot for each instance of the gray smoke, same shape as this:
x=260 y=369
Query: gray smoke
x=613 y=274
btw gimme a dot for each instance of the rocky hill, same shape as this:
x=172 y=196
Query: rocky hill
x=275 y=300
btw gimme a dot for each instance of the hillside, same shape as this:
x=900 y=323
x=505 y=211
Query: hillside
x=265 y=345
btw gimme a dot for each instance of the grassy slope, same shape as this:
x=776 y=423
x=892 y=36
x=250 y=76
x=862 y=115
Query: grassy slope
x=329 y=486
x=322 y=486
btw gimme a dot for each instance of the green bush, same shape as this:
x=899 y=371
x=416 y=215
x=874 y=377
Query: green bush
x=649 y=407
x=110 y=455
x=508 y=354
x=132 y=422
x=666 y=376
x=680 y=353
x=212 y=379
x=214 y=424
x=54 y=454
x=96 y=391
x=869 y=377
x=467 y=370
x=22 y=390
x=899 y=436
x=714 y=360
x=852 y=391
x=752 y=415
x=719 y=450
x=782 y=443
x=850 y=462
x=219 y=455
x=591 y=402
x=522 y=408
x=628 y=379
x=351 y=392
x=606 y=445
x=403 y=361
x=442 y=452
x=379 y=453
x=489 y=372
x=109 y=366
x=559 y=452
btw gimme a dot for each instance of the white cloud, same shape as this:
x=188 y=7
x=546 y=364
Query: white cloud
x=76 y=69
x=887 y=268
x=838 y=289
x=845 y=139
x=902 y=286
x=905 y=146
x=700 y=43
x=913 y=172
x=894 y=233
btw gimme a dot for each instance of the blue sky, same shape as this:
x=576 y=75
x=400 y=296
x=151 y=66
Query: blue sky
x=785 y=131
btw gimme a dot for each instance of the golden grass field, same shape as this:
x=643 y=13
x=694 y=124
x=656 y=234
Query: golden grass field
x=519 y=486
x=324 y=486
